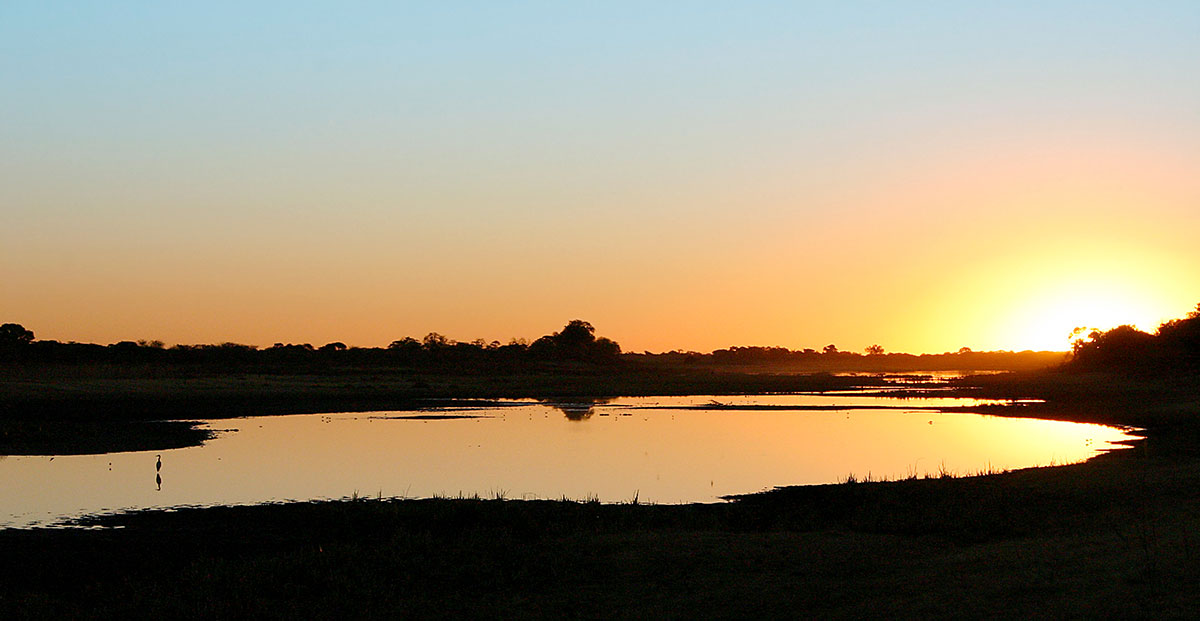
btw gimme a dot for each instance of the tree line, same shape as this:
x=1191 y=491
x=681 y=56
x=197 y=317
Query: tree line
x=1174 y=346
x=577 y=342
x=871 y=359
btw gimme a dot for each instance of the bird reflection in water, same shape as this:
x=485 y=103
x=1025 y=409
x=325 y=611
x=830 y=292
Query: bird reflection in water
x=158 y=473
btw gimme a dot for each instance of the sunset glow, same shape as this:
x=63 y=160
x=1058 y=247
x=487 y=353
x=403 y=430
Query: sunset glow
x=683 y=177
x=1044 y=325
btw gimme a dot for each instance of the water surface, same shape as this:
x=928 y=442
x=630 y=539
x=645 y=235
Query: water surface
x=652 y=448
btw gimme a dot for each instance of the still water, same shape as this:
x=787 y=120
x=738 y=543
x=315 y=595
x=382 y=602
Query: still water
x=659 y=449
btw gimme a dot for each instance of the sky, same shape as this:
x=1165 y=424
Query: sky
x=684 y=175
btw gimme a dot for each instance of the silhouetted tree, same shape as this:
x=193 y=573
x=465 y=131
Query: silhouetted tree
x=577 y=340
x=434 y=341
x=874 y=350
x=544 y=347
x=1180 y=338
x=1181 y=329
x=407 y=343
x=514 y=349
x=15 y=341
x=15 y=335
x=605 y=348
x=1122 y=346
x=577 y=333
x=829 y=349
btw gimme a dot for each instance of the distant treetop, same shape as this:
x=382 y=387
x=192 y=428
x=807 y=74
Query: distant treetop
x=14 y=335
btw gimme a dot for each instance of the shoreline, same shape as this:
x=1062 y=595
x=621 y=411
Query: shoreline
x=1113 y=536
x=62 y=414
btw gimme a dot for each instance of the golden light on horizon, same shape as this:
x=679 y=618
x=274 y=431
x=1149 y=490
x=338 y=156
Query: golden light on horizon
x=1034 y=295
x=1044 y=318
x=1047 y=324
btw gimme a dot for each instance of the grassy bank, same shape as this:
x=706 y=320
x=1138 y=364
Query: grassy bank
x=83 y=437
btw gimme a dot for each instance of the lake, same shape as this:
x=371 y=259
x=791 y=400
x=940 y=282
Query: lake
x=654 y=449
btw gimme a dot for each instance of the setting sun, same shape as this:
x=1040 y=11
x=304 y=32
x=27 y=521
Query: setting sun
x=1047 y=323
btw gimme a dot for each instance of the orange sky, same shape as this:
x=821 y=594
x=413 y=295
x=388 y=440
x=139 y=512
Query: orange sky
x=988 y=177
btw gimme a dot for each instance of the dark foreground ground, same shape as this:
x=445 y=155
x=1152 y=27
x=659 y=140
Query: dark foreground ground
x=1116 y=537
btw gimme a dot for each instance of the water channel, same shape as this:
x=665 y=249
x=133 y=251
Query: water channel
x=657 y=449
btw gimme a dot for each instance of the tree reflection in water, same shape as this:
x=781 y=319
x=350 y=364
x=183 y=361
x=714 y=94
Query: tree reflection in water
x=577 y=409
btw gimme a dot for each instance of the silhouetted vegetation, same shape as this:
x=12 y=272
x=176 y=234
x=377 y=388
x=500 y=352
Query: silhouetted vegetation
x=55 y=436
x=14 y=341
x=576 y=344
x=577 y=341
x=873 y=360
x=1173 y=348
